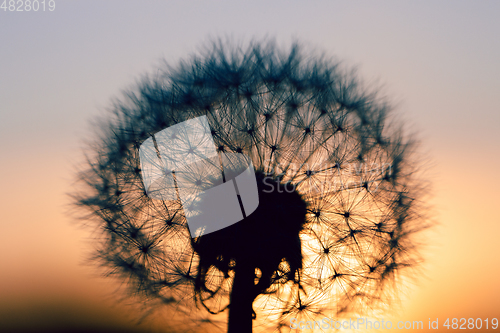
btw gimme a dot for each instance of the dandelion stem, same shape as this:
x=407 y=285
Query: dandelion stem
x=242 y=297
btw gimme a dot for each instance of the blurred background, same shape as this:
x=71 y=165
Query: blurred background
x=437 y=61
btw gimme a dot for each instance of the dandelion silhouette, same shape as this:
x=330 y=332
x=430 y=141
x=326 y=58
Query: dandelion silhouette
x=338 y=202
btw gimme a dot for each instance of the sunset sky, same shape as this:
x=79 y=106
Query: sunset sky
x=438 y=61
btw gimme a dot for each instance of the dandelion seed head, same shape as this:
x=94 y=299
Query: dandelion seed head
x=339 y=203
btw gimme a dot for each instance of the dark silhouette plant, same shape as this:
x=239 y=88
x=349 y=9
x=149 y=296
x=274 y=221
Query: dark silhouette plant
x=339 y=203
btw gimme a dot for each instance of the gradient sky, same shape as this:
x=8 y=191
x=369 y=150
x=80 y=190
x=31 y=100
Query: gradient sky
x=437 y=60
